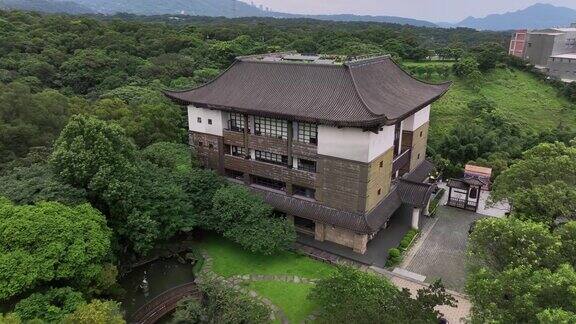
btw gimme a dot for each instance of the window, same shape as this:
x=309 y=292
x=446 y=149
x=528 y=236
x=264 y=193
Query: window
x=421 y=133
x=237 y=151
x=379 y=192
x=418 y=156
x=271 y=127
x=236 y=122
x=209 y=121
x=307 y=165
x=200 y=144
x=199 y=119
x=271 y=157
x=210 y=146
x=381 y=164
x=234 y=174
x=304 y=192
x=269 y=183
x=308 y=133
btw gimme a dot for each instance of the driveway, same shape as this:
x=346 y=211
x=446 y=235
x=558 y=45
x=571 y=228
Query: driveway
x=441 y=250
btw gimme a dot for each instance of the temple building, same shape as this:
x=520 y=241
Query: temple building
x=336 y=145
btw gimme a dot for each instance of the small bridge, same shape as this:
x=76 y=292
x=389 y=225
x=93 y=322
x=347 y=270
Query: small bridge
x=164 y=303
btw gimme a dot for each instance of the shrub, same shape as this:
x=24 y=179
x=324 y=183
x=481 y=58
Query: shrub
x=394 y=253
x=244 y=218
x=189 y=311
x=394 y=257
x=51 y=306
x=226 y=305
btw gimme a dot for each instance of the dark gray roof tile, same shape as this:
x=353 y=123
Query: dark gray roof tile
x=362 y=93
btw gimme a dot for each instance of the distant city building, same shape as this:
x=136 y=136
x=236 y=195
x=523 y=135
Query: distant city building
x=551 y=50
x=518 y=43
x=337 y=146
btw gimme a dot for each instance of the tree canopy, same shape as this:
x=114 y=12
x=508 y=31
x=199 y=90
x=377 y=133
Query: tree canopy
x=520 y=272
x=352 y=296
x=246 y=219
x=50 y=242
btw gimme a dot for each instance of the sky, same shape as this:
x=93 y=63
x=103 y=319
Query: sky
x=431 y=10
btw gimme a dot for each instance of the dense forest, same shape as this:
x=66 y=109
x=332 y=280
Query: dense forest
x=93 y=156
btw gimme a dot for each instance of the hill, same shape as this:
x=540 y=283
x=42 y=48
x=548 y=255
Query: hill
x=537 y=16
x=210 y=8
x=226 y=8
x=380 y=19
x=519 y=96
x=46 y=6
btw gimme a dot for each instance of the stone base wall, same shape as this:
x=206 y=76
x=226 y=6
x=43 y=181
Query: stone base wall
x=357 y=242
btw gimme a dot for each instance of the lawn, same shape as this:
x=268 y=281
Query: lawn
x=518 y=95
x=290 y=297
x=229 y=260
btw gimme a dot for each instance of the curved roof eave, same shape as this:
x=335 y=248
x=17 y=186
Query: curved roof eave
x=379 y=117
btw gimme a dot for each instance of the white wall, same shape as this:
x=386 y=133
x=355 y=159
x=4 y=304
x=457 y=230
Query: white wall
x=418 y=119
x=219 y=120
x=381 y=142
x=354 y=143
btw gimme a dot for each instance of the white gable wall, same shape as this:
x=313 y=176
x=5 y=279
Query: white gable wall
x=218 y=118
x=418 y=119
x=354 y=143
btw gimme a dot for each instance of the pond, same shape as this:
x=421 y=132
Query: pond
x=161 y=275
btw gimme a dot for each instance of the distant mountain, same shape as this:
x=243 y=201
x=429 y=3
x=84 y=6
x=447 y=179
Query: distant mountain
x=226 y=8
x=47 y=6
x=347 y=17
x=538 y=16
x=211 y=8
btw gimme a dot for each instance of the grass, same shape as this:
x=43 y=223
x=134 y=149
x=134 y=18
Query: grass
x=518 y=95
x=290 y=297
x=229 y=260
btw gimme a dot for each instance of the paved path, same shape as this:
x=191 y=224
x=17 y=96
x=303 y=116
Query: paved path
x=441 y=251
x=454 y=315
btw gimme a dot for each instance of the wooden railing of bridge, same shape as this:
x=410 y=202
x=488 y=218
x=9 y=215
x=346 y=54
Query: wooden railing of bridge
x=164 y=303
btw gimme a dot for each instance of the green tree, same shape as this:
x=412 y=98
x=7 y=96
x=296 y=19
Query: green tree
x=50 y=242
x=51 y=306
x=96 y=156
x=468 y=69
x=489 y=55
x=556 y=316
x=545 y=203
x=30 y=185
x=541 y=168
x=96 y=312
x=521 y=294
x=244 y=218
x=501 y=243
x=227 y=305
x=173 y=156
x=86 y=69
x=567 y=235
x=352 y=296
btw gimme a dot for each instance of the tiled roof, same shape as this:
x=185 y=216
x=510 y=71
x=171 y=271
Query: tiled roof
x=421 y=172
x=405 y=192
x=361 y=93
